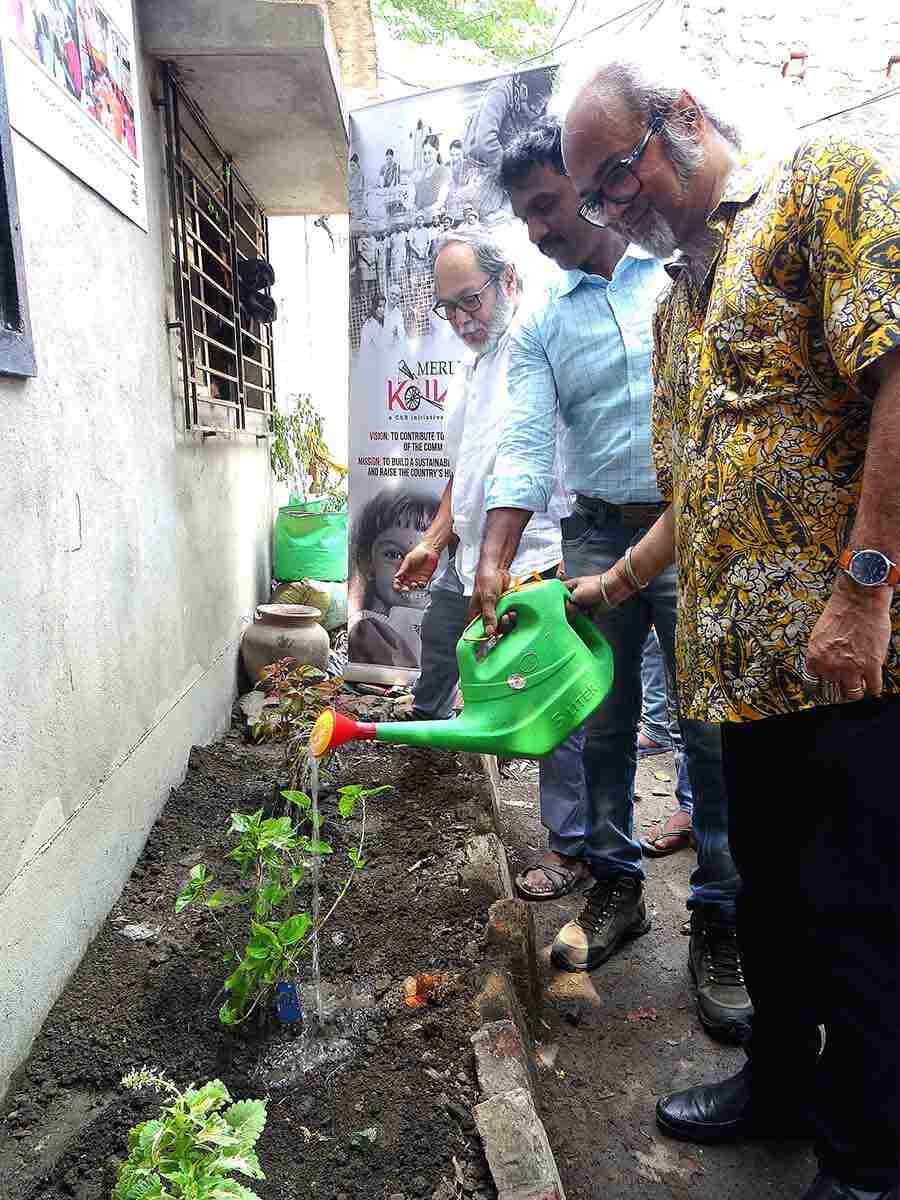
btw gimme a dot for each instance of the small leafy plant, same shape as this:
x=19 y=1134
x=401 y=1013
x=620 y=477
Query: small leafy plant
x=299 y=454
x=196 y=1145
x=271 y=854
x=303 y=693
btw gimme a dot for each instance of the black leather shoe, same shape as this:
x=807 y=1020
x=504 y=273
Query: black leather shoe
x=723 y=1112
x=824 y=1187
x=723 y=1005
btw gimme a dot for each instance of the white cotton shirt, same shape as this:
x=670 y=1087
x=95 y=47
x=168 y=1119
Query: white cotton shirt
x=372 y=335
x=474 y=412
x=394 y=326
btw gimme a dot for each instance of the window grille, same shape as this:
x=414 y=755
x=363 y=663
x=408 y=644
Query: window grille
x=226 y=356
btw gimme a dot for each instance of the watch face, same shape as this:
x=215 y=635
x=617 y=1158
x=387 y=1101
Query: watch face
x=869 y=568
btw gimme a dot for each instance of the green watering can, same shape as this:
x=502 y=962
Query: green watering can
x=522 y=695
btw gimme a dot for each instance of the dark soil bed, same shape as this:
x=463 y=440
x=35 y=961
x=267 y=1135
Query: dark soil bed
x=410 y=1073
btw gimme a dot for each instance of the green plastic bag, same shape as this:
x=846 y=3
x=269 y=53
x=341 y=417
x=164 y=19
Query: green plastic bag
x=310 y=545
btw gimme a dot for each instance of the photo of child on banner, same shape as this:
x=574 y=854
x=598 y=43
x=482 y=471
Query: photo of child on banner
x=387 y=629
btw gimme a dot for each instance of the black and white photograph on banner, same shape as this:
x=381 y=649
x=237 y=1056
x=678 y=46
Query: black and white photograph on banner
x=418 y=167
x=421 y=169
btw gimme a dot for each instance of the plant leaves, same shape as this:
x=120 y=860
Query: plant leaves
x=248 y=1119
x=198 y=878
x=247 y=1163
x=229 y=1014
x=230 y=1189
x=207 y=1098
x=317 y=847
x=301 y=799
x=293 y=929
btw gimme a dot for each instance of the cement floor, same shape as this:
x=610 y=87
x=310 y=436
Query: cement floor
x=628 y=1032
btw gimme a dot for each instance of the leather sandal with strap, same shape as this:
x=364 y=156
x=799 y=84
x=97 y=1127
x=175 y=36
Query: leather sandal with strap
x=564 y=881
x=675 y=833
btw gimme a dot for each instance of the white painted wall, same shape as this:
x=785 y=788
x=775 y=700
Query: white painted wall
x=118 y=645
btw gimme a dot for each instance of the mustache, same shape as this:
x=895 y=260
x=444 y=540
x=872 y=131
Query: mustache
x=546 y=244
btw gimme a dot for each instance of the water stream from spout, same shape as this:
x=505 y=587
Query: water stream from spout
x=312 y=780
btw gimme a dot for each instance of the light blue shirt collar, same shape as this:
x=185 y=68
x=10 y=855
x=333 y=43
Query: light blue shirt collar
x=571 y=279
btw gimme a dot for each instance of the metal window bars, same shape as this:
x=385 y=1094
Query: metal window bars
x=227 y=361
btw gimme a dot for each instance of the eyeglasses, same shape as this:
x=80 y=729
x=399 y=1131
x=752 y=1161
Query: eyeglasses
x=471 y=303
x=619 y=183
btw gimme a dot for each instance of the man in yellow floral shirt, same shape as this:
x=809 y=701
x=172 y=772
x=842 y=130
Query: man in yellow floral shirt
x=777 y=440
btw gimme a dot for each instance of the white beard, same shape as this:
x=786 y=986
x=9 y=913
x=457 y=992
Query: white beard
x=656 y=235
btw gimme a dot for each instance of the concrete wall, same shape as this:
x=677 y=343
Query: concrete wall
x=744 y=44
x=847 y=42
x=119 y=631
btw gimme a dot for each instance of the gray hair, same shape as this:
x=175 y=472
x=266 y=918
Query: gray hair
x=491 y=256
x=651 y=85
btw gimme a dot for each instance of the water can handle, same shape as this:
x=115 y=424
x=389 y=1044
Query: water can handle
x=589 y=633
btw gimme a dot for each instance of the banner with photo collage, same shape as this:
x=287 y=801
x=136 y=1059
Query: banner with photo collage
x=419 y=167
x=72 y=89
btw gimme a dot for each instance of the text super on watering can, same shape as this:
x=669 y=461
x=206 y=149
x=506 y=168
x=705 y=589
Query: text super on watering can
x=521 y=697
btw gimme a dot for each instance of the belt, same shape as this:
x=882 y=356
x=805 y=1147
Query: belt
x=635 y=516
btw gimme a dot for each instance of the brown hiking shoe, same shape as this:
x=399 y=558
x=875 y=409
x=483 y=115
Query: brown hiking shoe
x=614 y=912
x=723 y=1005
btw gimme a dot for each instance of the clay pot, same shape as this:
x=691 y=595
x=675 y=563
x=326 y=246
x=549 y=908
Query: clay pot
x=284 y=631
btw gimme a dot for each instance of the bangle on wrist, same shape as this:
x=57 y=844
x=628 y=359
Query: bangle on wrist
x=603 y=591
x=630 y=573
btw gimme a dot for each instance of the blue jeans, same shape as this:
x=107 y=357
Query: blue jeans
x=659 y=716
x=562 y=786
x=592 y=542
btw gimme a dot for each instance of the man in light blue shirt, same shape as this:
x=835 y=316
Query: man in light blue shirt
x=582 y=358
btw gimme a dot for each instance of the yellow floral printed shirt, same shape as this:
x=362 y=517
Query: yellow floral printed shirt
x=760 y=418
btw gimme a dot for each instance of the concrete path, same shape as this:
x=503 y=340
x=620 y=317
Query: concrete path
x=628 y=1032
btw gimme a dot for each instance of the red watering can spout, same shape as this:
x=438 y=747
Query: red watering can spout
x=332 y=729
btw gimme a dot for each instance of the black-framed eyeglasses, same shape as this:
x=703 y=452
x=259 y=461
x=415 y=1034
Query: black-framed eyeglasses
x=469 y=304
x=619 y=183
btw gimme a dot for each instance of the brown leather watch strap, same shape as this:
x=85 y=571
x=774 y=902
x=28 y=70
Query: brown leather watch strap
x=893 y=575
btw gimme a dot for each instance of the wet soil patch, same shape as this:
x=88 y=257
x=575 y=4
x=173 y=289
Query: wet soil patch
x=408 y=1073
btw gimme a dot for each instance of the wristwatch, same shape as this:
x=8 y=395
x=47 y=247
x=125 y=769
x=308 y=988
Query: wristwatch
x=869 y=568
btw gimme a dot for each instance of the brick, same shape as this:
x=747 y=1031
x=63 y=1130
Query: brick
x=485 y=866
x=501 y=1060
x=511 y=943
x=516 y=1147
x=496 y=1000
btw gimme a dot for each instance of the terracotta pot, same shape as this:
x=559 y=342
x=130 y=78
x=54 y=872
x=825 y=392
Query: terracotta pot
x=284 y=631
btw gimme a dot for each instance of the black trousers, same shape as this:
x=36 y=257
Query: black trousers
x=815 y=831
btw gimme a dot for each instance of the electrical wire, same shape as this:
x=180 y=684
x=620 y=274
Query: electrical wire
x=423 y=87
x=853 y=107
x=588 y=32
x=562 y=28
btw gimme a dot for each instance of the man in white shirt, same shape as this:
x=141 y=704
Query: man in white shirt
x=398 y=252
x=477 y=290
x=382 y=245
x=419 y=243
x=366 y=254
x=394 y=323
